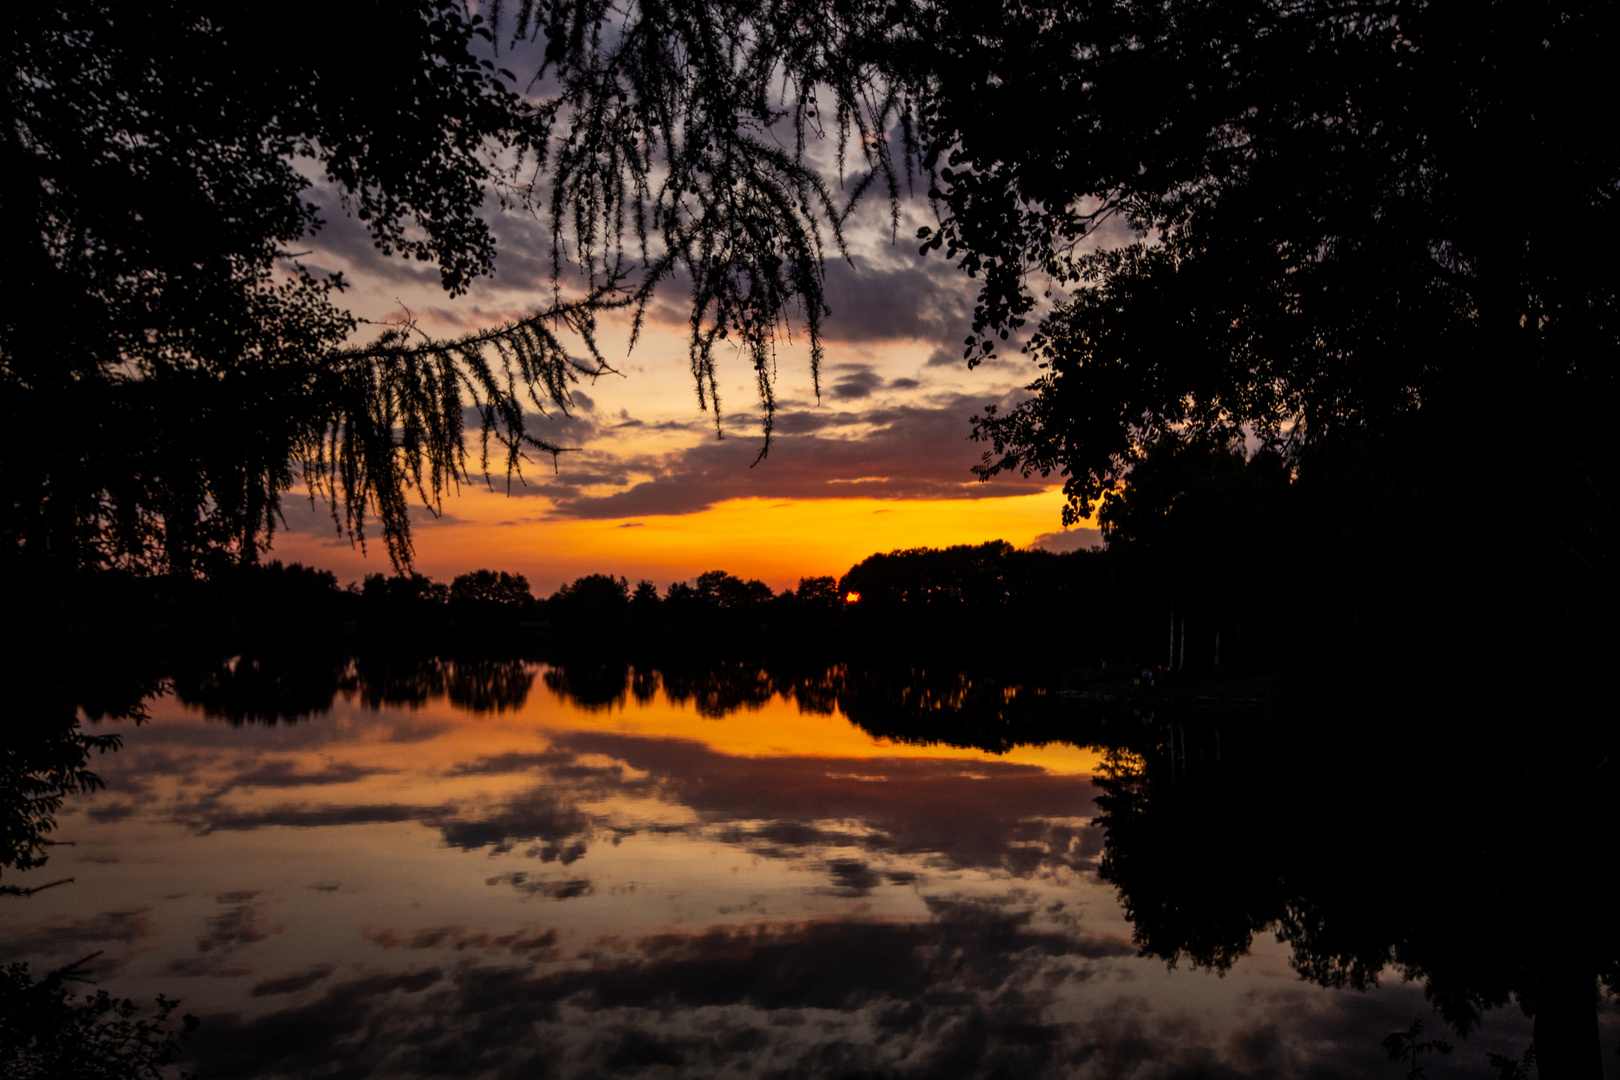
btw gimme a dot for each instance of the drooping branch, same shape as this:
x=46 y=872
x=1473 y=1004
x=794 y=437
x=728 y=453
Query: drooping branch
x=395 y=426
x=686 y=140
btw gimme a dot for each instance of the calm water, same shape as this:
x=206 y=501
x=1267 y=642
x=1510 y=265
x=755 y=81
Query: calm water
x=517 y=884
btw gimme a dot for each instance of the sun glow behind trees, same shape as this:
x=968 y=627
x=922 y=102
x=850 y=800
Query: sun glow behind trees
x=775 y=540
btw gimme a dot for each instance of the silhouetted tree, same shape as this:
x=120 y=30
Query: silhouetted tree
x=721 y=591
x=152 y=200
x=1367 y=847
x=591 y=612
x=1206 y=537
x=491 y=589
x=487 y=685
x=394 y=678
x=1319 y=261
x=489 y=607
x=47 y=1030
x=644 y=600
x=821 y=592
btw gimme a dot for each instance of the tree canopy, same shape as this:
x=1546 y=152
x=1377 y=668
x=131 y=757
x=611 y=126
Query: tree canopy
x=1300 y=221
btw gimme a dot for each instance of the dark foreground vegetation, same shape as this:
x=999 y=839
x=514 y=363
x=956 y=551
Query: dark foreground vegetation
x=1370 y=241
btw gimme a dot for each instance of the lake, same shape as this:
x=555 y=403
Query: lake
x=515 y=870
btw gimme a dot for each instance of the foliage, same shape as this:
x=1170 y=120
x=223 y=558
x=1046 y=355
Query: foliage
x=154 y=302
x=46 y=1031
x=1317 y=204
x=491 y=589
x=40 y=765
x=1406 y=1046
x=1221 y=828
x=1511 y=1068
x=683 y=139
x=1303 y=240
x=725 y=592
x=819 y=592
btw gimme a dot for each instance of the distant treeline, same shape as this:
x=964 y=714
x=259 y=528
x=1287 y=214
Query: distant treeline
x=967 y=600
x=989 y=602
x=1218 y=562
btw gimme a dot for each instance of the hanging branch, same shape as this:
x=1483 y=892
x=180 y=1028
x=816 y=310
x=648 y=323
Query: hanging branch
x=395 y=426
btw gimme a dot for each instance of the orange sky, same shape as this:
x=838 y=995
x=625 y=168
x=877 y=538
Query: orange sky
x=878 y=460
x=775 y=540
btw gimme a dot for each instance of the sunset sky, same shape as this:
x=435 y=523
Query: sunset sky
x=880 y=462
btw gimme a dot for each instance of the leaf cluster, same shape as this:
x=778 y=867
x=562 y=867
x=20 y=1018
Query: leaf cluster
x=686 y=142
x=46 y=1030
x=168 y=367
x=1306 y=218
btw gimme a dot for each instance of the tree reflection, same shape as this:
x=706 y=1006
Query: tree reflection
x=591 y=686
x=266 y=689
x=392 y=679
x=1474 y=865
x=720 y=689
x=483 y=686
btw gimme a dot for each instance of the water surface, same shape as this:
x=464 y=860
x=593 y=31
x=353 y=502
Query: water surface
x=524 y=878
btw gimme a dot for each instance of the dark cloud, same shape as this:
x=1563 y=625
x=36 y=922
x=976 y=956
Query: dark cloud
x=1066 y=540
x=852 y=877
x=904 y=384
x=512 y=762
x=989 y=814
x=95 y=933
x=311 y=1039
x=209 y=965
x=103 y=813
x=902 y=451
x=536 y=815
x=548 y=888
x=855 y=384
x=460 y=938
x=208 y=818
x=911 y=298
x=285 y=773
x=243 y=924
x=291 y=984
x=967 y=991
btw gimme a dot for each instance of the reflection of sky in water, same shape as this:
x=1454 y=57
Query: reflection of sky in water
x=643 y=890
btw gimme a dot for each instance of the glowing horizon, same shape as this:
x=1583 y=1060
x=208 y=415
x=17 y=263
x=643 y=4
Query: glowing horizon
x=775 y=540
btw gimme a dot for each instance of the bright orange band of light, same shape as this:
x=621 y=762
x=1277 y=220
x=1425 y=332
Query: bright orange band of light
x=777 y=541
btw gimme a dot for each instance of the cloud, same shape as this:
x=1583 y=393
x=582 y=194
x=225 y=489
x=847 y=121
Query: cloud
x=988 y=814
x=208 y=818
x=284 y=773
x=535 y=815
x=243 y=924
x=1067 y=540
x=968 y=990
x=904 y=451
x=65 y=938
x=906 y=298
x=857 y=382
x=852 y=877
x=460 y=938
x=291 y=984
x=310 y=1037
x=104 y=813
x=549 y=888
